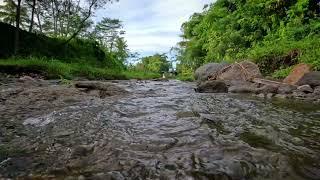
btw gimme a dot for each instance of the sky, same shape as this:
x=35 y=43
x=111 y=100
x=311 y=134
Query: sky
x=152 y=26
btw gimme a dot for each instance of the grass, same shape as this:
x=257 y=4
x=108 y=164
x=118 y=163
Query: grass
x=186 y=77
x=54 y=69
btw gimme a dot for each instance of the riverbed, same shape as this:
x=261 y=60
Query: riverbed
x=158 y=130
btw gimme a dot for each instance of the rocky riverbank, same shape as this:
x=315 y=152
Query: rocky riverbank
x=151 y=130
x=245 y=77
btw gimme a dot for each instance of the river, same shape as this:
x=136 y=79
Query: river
x=164 y=130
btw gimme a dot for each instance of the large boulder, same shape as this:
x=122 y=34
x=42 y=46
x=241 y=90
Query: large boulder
x=297 y=73
x=102 y=88
x=311 y=78
x=207 y=70
x=242 y=71
x=212 y=87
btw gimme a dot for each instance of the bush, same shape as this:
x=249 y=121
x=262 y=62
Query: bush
x=282 y=73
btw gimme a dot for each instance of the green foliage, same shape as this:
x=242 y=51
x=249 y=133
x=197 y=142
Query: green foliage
x=157 y=63
x=266 y=31
x=54 y=69
x=282 y=73
x=8 y=13
x=43 y=46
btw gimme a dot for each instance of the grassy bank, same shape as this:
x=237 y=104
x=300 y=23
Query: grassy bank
x=53 y=69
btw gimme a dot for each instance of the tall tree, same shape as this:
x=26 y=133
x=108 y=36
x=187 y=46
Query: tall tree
x=108 y=31
x=92 y=5
x=8 y=13
x=33 y=7
x=17 y=31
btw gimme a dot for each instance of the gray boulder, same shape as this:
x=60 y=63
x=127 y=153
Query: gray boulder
x=242 y=71
x=286 y=89
x=104 y=89
x=212 y=87
x=242 y=89
x=311 y=78
x=266 y=89
x=207 y=70
x=305 y=89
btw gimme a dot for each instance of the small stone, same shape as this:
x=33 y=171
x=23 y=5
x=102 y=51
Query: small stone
x=26 y=79
x=270 y=95
x=268 y=89
x=305 y=88
x=286 y=89
x=297 y=141
x=261 y=95
x=281 y=96
x=316 y=90
x=299 y=94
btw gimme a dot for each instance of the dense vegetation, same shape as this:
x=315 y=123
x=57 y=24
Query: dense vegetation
x=58 y=38
x=156 y=63
x=276 y=34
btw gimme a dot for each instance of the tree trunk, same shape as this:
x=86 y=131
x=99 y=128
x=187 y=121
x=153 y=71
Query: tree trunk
x=39 y=20
x=16 y=38
x=32 y=15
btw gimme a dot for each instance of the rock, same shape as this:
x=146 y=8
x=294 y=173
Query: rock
x=286 y=89
x=297 y=73
x=299 y=94
x=26 y=79
x=212 y=87
x=205 y=71
x=270 y=95
x=316 y=90
x=242 y=71
x=115 y=175
x=242 y=89
x=281 y=96
x=106 y=89
x=312 y=79
x=266 y=89
x=297 y=141
x=305 y=89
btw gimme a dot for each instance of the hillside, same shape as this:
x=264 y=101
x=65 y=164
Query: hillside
x=276 y=34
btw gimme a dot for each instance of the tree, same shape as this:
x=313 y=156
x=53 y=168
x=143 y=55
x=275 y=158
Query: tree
x=156 y=63
x=8 y=13
x=17 y=31
x=33 y=7
x=92 y=5
x=109 y=31
x=229 y=30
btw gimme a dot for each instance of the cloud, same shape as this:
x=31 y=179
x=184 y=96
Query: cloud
x=152 y=25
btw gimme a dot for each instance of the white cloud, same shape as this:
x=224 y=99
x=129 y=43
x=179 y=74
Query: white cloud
x=152 y=25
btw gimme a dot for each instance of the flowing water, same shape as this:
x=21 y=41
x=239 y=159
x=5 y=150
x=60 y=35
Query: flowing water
x=164 y=130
